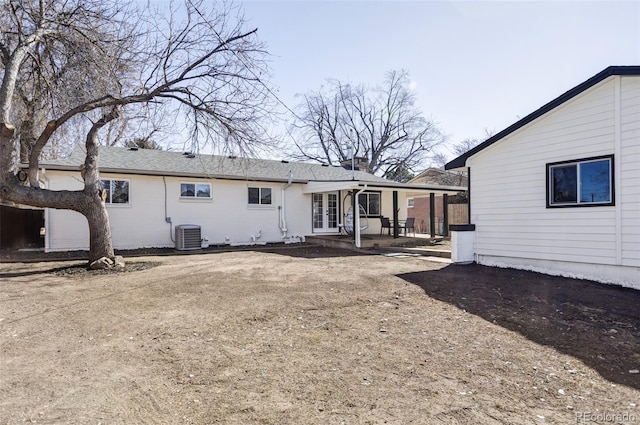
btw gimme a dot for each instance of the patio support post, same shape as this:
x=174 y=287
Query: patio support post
x=432 y=215
x=445 y=208
x=354 y=208
x=356 y=222
x=396 y=229
x=468 y=195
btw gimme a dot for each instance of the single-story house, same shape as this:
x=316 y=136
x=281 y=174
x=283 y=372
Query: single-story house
x=559 y=191
x=230 y=200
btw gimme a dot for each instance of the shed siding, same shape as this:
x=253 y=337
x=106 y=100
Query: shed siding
x=508 y=186
x=629 y=185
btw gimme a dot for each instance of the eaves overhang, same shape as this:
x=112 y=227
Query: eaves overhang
x=407 y=188
x=176 y=174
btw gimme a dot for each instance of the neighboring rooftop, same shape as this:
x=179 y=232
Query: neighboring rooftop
x=437 y=176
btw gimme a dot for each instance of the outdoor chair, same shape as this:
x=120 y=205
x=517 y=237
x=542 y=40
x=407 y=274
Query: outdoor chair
x=409 y=224
x=385 y=224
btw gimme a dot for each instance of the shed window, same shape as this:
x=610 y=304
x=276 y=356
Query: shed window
x=117 y=191
x=585 y=182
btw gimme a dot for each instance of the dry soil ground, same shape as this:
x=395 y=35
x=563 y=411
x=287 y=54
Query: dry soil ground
x=313 y=336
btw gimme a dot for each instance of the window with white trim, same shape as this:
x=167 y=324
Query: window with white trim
x=195 y=190
x=409 y=202
x=259 y=195
x=580 y=183
x=370 y=203
x=116 y=191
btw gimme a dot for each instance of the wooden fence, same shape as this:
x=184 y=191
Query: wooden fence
x=458 y=214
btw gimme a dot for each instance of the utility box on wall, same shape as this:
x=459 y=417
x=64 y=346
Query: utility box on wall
x=462 y=243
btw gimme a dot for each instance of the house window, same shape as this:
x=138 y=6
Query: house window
x=409 y=202
x=580 y=183
x=117 y=191
x=259 y=196
x=195 y=190
x=370 y=203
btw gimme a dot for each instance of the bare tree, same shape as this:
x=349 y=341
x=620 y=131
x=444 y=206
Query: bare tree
x=465 y=146
x=400 y=174
x=381 y=124
x=440 y=158
x=143 y=143
x=82 y=62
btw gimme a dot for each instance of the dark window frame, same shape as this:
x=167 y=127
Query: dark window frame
x=367 y=194
x=578 y=203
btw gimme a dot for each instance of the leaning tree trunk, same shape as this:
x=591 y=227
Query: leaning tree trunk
x=89 y=202
x=100 y=244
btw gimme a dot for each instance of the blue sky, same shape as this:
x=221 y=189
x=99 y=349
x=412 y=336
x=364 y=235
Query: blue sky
x=475 y=65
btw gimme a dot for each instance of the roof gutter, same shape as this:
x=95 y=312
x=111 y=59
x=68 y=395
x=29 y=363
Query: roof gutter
x=174 y=174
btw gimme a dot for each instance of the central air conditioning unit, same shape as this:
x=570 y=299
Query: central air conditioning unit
x=188 y=237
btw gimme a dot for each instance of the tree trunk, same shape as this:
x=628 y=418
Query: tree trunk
x=27 y=131
x=100 y=244
x=87 y=202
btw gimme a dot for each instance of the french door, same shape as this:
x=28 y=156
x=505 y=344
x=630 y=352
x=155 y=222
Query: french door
x=325 y=212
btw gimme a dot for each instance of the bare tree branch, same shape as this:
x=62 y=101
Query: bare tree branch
x=381 y=124
x=82 y=64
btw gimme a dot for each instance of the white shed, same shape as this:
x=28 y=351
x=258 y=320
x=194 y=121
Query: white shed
x=559 y=191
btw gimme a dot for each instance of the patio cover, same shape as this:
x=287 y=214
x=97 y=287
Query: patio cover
x=361 y=186
x=407 y=188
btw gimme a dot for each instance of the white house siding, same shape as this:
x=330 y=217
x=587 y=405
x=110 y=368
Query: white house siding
x=508 y=193
x=225 y=218
x=630 y=170
x=65 y=230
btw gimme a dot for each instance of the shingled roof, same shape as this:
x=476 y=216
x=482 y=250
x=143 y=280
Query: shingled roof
x=164 y=163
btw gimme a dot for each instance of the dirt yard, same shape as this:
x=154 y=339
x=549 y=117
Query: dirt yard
x=313 y=336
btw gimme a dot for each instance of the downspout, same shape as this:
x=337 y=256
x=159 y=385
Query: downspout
x=45 y=181
x=356 y=216
x=167 y=219
x=283 y=219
